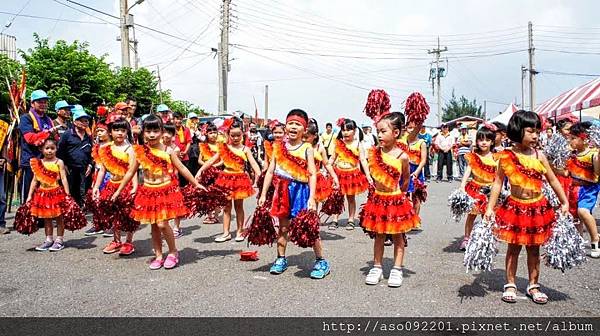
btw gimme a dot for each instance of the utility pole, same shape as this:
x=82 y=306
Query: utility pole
x=159 y=83
x=485 y=110
x=523 y=75
x=223 y=53
x=124 y=35
x=266 y=104
x=438 y=75
x=532 y=71
x=136 y=57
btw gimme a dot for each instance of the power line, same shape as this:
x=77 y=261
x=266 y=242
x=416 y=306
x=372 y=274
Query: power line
x=14 y=17
x=50 y=18
x=560 y=73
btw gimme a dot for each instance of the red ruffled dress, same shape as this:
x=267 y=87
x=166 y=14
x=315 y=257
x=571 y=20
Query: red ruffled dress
x=155 y=203
x=234 y=178
x=324 y=186
x=49 y=197
x=387 y=212
x=207 y=151
x=524 y=221
x=352 y=180
x=116 y=214
x=483 y=169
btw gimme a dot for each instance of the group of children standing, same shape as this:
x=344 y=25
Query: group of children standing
x=300 y=176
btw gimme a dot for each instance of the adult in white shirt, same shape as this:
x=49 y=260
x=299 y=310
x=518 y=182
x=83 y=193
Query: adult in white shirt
x=370 y=139
x=443 y=144
x=464 y=143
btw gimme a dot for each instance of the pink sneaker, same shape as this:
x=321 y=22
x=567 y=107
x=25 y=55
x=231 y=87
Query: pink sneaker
x=156 y=264
x=172 y=261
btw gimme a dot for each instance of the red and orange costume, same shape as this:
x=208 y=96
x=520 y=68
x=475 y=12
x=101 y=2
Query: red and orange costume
x=207 y=151
x=291 y=183
x=48 y=198
x=268 y=150
x=234 y=178
x=387 y=212
x=324 y=186
x=483 y=170
x=352 y=180
x=524 y=221
x=156 y=203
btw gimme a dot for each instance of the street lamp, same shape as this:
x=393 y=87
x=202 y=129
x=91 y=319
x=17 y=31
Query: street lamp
x=136 y=3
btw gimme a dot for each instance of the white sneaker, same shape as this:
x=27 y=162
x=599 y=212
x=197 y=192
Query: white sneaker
x=395 y=279
x=375 y=275
x=595 y=250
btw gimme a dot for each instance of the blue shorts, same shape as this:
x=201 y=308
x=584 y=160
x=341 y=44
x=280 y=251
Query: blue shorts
x=421 y=177
x=588 y=196
x=299 y=194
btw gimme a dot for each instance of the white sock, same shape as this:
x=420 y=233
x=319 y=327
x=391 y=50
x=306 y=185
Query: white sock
x=60 y=239
x=50 y=239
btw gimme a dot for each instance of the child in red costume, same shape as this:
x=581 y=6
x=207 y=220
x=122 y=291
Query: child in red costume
x=234 y=177
x=159 y=199
x=348 y=156
x=325 y=183
x=208 y=149
x=526 y=217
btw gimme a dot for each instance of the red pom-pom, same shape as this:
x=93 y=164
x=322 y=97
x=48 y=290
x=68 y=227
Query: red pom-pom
x=378 y=104
x=270 y=192
x=304 y=228
x=420 y=192
x=25 y=223
x=416 y=108
x=261 y=230
x=334 y=205
x=122 y=206
x=73 y=217
x=209 y=176
x=201 y=202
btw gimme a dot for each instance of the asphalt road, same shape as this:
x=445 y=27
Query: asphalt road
x=212 y=281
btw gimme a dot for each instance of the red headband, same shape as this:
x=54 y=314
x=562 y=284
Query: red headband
x=297 y=119
x=101 y=125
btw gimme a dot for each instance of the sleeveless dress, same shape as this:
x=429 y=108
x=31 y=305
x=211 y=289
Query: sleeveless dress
x=324 y=186
x=484 y=171
x=414 y=159
x=207 y=151
x=524 y=221
x=48 y=197
x=233 y=178
x=387 y=212
x=581 y=168
x=352 y=180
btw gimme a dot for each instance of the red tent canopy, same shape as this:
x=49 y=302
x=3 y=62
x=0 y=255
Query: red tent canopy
x=577 y=99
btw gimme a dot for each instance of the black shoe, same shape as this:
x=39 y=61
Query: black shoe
x=92 y=232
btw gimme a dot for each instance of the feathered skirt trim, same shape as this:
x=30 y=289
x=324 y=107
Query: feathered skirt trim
x=477 y=192
x=154 y=204
x=324 y=187
x=239 y=185
x=388 y=213
x=352 y=181
x=47 y=202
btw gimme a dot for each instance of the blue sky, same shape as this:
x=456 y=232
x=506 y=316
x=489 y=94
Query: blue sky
x=324 y=56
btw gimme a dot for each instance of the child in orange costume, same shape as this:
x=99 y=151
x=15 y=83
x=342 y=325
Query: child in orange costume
x=526 y=217
x=159 y=199
x=481 y=166
x=388 y=211
x=325 y=184
x=46 y=200
x=278 y=132
x=348 y=155
x=234 y=178
x=208 y=149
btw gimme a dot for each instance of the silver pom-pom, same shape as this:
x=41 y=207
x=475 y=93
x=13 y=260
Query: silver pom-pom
x=557 y=151
x=550 y=195
x=565 y=248
x=460 y=204
x=594 y=135
x=482 y=247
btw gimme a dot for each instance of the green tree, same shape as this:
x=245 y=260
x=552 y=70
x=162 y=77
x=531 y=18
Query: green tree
x=141 y=84
x=185 y=107
x=11 y=70
x=70 y=72
x=456 y=108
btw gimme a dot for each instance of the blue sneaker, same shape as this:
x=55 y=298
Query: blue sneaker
x=279 y=266
x=321 y=269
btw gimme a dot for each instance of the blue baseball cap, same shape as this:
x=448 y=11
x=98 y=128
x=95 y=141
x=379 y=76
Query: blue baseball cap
x=62 y=104
x=192 y=115
x=78 y=112
x=162 y=108
x=38 y=94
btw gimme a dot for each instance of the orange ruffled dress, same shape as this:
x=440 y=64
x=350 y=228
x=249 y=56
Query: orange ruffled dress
x=519 y=221
x=157 y=203
x=352 y=180
x=116 y=163
x=207 y=151
x=484 y=172
x=48 y=198
x=234 y=178
x=324 y=186
x=387 y=212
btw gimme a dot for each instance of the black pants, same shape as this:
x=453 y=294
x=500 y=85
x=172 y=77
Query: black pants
x=428 y=167
x=77 y=183
x=193 y=165
x=25 y=183
x=444 y=159
x=182 y=181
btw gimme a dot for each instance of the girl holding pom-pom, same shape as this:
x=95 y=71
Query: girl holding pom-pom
x=349 y=155
x=234 y=178
x=388 y=211
x=526 y=217
x=159 y=199
x=481 y=168
x=293 y=164
x=113 y=158
x=49 y=173
x=208 y=149
x=416 y=149
x=325 y=184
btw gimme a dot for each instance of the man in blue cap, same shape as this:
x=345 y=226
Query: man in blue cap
x=35 y=127
x=63 y=116
x=75 y=149
x=164 y=112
